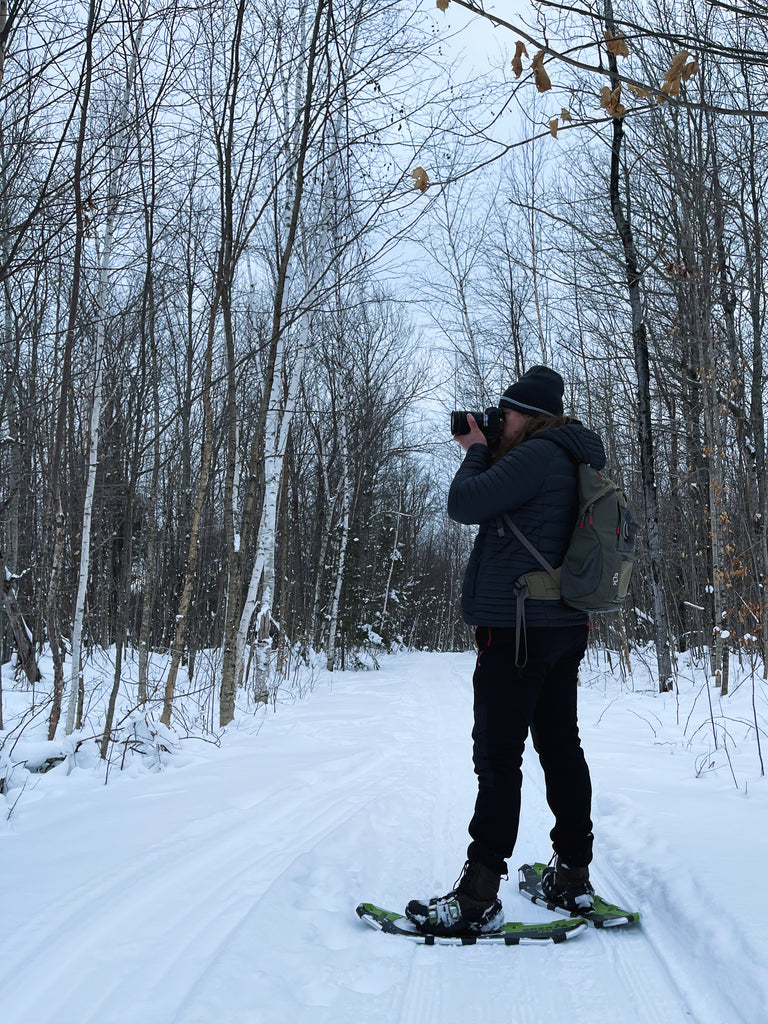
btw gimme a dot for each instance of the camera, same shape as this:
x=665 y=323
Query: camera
x=489 y=422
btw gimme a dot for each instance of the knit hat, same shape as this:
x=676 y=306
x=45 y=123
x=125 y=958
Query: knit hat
x=539 y=390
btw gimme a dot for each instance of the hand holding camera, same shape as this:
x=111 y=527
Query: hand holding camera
x=469 y=431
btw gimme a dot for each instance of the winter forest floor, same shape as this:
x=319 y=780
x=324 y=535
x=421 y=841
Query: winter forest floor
x=222 y=888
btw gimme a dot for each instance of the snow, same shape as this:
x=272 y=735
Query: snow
x=216 y=882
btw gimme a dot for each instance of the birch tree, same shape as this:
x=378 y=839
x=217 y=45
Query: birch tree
x=318 y=233
x=117 y=155
x=59 y=515
x=346 y=501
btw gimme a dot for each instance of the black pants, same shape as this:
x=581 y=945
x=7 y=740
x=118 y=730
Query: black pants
x=510 y=701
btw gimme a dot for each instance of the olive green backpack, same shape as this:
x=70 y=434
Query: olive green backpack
x=596 y=568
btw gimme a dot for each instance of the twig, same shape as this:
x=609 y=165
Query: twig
x=13 y=806
x=757 y=730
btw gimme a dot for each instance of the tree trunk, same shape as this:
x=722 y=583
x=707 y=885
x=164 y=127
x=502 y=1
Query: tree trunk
x=642 y=369
x=393 y=557
x=151 y=530
x=753 y=231
x=263 y=572
x=59 y=514
x=343 y=543
x=85 y=531
x=118 y=153
x=235 y=639
x=21 y=632
x=194 y=527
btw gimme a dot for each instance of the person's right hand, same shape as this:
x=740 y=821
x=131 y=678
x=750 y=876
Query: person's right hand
x=475 y=435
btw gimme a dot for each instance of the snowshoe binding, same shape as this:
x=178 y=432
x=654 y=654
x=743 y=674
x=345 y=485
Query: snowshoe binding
x=567 y=887
x=471 y=908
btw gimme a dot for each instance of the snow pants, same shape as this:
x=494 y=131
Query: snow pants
x=539 y=697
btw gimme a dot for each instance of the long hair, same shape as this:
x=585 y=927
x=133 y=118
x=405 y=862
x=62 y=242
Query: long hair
x=533 y=425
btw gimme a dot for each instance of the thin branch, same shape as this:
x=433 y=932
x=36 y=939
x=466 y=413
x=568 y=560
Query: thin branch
x=673 y=101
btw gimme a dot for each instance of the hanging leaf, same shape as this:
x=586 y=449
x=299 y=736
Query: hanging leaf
x=689 y=70
x=540 y=76
x=677 y=65
x=638 y=91
x=553 y=127
x=671 y=88
x=421 y=179
x=517 y=60
x=610 y=101
x=443 y=4
x=565 y=115
x=679 y=70
x=616 y=44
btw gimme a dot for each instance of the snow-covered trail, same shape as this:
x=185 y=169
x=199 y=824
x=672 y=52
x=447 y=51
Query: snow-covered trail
x=224 y=890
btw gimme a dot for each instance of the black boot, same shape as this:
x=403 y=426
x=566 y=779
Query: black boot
x=568 y=887
x=471 y=908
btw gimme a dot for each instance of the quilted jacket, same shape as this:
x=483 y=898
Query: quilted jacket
x=535 y=484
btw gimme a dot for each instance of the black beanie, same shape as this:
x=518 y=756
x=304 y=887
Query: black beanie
x=539 y=390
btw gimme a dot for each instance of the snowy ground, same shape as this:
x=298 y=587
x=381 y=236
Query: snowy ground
x=221 y=890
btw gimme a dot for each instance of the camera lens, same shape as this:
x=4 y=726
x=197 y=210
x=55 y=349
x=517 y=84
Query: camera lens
x=459 y=422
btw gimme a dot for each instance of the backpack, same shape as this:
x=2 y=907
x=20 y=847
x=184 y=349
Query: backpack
x=597 y=565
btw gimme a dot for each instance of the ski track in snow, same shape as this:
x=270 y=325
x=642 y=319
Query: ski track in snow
x=224 y=890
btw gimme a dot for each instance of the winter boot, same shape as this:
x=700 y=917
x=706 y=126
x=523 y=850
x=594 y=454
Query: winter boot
x=471 y=908
x=567 y=887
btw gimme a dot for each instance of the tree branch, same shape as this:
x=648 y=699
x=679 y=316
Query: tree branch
x=604 y=72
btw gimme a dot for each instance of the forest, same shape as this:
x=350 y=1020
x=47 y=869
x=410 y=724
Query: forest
x=252 y=255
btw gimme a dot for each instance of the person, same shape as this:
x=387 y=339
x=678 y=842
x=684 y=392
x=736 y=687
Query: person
x=521 y=683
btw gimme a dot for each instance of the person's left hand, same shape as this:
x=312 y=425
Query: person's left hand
x=475 y=435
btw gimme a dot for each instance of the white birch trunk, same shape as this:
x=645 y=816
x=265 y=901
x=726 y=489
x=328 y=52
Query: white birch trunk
x=718 y=651
x=263 y=572
x=93 y=462
x=276 y=437
x=394 y=557
x=118 y=157
x=347 y=502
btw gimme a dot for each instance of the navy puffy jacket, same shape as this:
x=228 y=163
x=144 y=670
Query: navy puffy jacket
x=535 y=484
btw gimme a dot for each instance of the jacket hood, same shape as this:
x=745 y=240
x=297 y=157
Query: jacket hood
x=579 y=441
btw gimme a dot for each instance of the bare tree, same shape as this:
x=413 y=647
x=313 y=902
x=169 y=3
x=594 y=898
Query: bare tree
x=59 y=514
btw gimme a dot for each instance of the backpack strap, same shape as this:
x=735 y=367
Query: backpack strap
x=521 y=593
x=528 y=546
x=541 y=586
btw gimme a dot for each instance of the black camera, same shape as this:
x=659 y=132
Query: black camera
x=490 y=422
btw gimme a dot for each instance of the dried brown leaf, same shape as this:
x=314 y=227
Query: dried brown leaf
x=540 y=76
x=517 y=60
x=641 y=93
x=553 y=127
x=677 y=65
x=616 y=44
x=421 y=179
x=672 y=87
x=443 y=4
x=689 y=70
x=565 y=115
x=610 y=101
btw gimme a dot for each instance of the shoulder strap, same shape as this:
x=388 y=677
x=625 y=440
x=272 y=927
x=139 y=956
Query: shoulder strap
x=527 y=545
